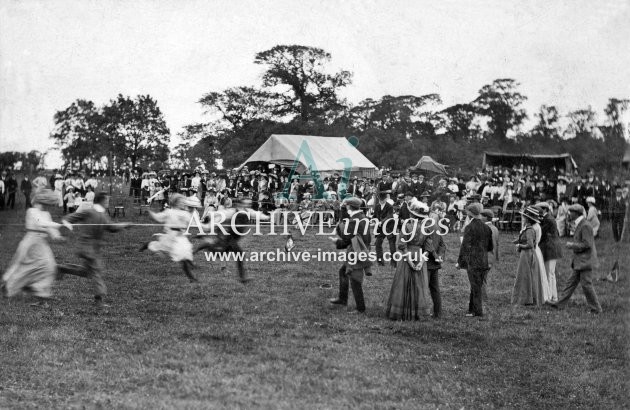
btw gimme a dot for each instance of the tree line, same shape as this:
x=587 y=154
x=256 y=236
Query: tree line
x=298 y=94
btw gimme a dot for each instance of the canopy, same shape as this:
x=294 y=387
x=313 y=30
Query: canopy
x=544 y=161
x=427 y=163
x=325 y=155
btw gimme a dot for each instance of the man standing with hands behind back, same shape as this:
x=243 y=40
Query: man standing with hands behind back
x=583 y=262
x=473 y=256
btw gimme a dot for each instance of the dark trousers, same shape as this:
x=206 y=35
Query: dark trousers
x=11 y=200
x=1 y=201
x=617 y=227
x=27 y=199
x=585 y=278
x=345 y=282
x=391 y=239
x=434 y=288
x=476 y=278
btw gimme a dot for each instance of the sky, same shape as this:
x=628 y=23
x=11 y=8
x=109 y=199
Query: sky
x=571 y=54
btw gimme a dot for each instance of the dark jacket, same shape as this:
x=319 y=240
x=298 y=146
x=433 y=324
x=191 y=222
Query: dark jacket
x=550 y=245
x=435 y=248
x=385 y=214
x=357 y=223
x=618 y=208
x=25 y=186
x=477 y=242
x=583 y=246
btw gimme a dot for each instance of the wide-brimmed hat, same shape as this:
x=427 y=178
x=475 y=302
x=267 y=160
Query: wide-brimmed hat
x=352 y=201
x=419 y=210
x=531 y=213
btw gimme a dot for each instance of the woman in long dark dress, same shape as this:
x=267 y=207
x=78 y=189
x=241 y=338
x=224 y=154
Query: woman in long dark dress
x=528 y=287
x=409 y=296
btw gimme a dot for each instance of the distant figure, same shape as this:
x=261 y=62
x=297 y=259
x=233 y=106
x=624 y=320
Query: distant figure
x=592 y=216
x=618 y=213
x=26 y=188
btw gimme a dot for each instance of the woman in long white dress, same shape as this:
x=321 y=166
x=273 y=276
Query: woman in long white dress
x=33 y=267
x=544 y=282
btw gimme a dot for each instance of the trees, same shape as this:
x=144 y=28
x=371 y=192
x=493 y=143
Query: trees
x=239 y=106
x=502 y=104
x=124 y=129
x=198 y=147
x=138 y=129
x=77 y=132
x=458 y=122
x=305 y=89
x=24 y=161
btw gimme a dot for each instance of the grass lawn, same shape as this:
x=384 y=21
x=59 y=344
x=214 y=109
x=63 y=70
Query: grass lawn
x=277 y=343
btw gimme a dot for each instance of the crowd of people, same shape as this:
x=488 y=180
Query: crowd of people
x=549 y=207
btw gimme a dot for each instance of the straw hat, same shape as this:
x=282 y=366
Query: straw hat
x=531 y=213
x=419 y=210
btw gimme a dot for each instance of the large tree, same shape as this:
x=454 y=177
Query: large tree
x=138 y=128
x=458 y=122
x=403 y=113
x=299 y=74
x=502 y=104
x=198 y=147
x=238 y=106
x=77 y=132
x=547 y=126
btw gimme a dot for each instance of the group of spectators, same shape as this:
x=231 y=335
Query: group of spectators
x=505 y=190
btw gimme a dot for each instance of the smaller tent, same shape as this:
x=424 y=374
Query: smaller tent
x=325 y=155
x=428 y=164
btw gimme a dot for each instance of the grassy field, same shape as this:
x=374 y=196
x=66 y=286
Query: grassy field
x=277 y=343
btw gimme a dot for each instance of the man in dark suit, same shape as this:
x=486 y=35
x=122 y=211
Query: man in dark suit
x=384 y=213
x=134 y=185
x=354 y=233
x=11 y=187
x=617 y=213
x=583 y=262
x=473 y=256
x=436 y=249
x=26 y=187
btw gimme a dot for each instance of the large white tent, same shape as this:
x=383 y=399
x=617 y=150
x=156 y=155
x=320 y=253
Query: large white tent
x=325 y=155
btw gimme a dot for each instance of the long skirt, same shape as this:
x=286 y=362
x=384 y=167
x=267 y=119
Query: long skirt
x=32 y=268
x=528 y=289
x=409 y=297
x=544 y=280
x=173 y=243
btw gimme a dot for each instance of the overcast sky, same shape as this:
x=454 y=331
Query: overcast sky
x=571 y=53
